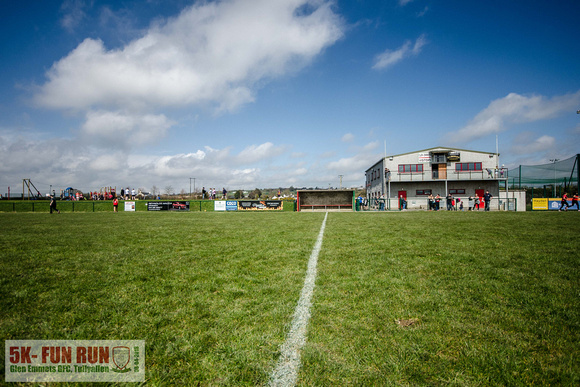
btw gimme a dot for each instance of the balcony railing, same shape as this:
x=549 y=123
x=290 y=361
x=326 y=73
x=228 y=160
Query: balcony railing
x=492 y=174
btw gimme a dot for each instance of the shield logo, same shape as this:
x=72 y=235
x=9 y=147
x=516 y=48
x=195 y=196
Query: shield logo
x=121 y=357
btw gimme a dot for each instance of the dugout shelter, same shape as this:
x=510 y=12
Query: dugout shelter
x=325 y=200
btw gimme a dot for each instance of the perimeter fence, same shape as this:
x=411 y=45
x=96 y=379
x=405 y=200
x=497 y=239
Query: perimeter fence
x=559 y=175
x=103 y=206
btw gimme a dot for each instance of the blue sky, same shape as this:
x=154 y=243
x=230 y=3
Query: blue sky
x=262 y=93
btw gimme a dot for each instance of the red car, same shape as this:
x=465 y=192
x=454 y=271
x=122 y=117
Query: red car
x=179 y=206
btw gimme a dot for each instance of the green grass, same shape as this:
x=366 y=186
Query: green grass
x=494 y=297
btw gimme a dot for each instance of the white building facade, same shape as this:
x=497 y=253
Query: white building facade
x=438 y=171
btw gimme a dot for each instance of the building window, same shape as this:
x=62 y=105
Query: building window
x=410 y=168
x=439 y=158
x=467 y=167
x=457 y=191
x=421 y=192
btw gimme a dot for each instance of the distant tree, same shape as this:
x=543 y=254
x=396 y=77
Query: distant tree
x=182 y=192
x=168 y=190
x=239 y=194
x=154 y=190
x=255 y=194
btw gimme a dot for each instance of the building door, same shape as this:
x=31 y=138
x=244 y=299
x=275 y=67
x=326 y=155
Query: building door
x=439 y=171
x=442 y=171
x=479 y=193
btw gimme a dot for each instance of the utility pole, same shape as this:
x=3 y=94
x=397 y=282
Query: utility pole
x=190 y=179
x=340 y=180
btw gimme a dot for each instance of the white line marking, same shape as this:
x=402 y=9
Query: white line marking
x=286 y=371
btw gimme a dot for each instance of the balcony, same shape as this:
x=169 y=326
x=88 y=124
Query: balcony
x=442 y=175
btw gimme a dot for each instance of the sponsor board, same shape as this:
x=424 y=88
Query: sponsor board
x=130 y=206
x=231 y=205
x=168 y=206
x=260 y=205
x=548 y=204
x=539 y=204
x=424 y=157
x=555 y=204
x=219 y=205
x=75 y=360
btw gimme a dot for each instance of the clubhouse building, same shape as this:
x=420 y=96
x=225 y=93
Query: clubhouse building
x=437 y=171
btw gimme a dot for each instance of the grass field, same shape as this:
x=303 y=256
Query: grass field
x=411 y=298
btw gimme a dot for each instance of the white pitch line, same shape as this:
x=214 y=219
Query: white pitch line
x=286 y=371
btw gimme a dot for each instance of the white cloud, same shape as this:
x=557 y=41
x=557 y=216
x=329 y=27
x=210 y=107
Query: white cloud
x=73 y=14
x=213 y=54
x=257 y=153
x=525 y=144
x=423 y=12
x=512 y=109
x=357 y=163
x=117 y=129
x=210 y=53
x=348 y=137
x=390 y=57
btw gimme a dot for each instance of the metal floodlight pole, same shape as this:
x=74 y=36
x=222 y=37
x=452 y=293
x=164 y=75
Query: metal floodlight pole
x=554 y=161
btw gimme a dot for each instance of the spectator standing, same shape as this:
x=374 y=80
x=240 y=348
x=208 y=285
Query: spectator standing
x=115 y=205
x=476 y=205
x=401 y=203
x=487 y=199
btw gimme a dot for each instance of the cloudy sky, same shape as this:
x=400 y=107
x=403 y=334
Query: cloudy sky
x=270 y=93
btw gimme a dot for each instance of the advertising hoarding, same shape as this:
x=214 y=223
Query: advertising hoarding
x=168 y=206
x=260 y=205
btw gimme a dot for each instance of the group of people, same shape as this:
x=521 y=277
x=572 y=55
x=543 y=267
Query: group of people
x=564 y=202
x=102 y=195
x=433 y=202
x=211 y=193
x=474 y=203
x=128 y=194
